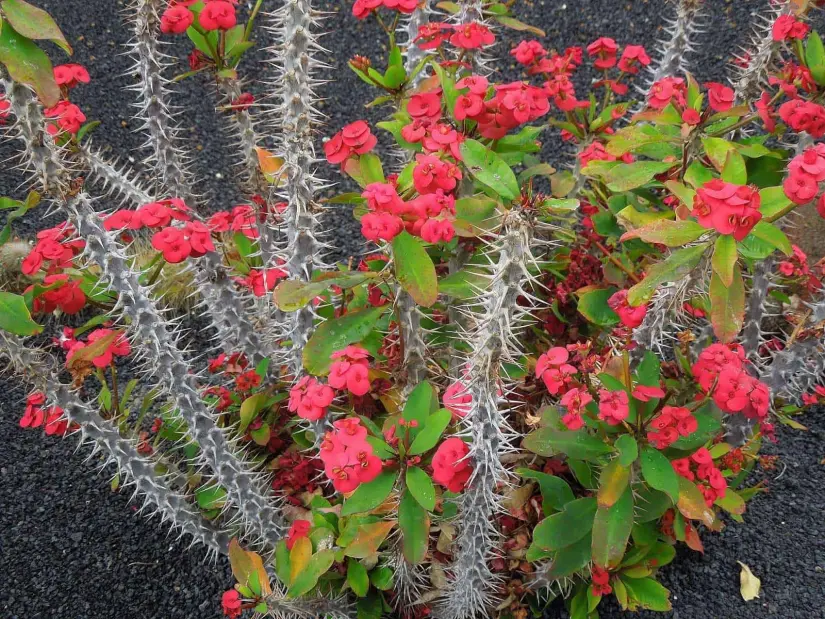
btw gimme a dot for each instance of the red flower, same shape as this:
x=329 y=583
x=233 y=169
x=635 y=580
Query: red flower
x=630 y=316
x=471 y=36
x=713 y=359
x=720 y=97
x=354 y=138
x=347 y=456
x=34 y=415
x=601 y=581
x=69 y=117
x=425 y=105
x=56 y=424
x=299 y=529
x=451 y=467
x=176 y=20
x=666 y=90
x=727 y=208
x=766 y=112
x=432 y=35
x=350 y=370
x=632 y=58
x=69 y=298
x=310 y=398
x=691 y=116
x=173 y=244
x=575 y=400
x=218 y=15
x=261 y=281
x=527 y=52
x=248 y=381
x=788 y=27
x=70 y=75
x=606 y=49
x=231 y=602
x=644 y=393
x=554 y=371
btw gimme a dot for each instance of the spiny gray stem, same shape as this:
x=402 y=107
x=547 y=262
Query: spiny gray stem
x=40 y=369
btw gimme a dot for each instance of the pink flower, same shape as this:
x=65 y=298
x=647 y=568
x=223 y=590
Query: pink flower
x=633 y=57
x=644 y=393
x=713 y=359
x=666 y=90
x=350 y=370
x=70 y=75
x=554 y=371
x=526 y=52
x=173 y=244
x=613 y=406
x=451 y=467
x=471 y=36
x=788 y=27
x=457 y=399
x=727 y=208
x=425 y=105
x=231 y=604
x=310 y=398
x=691 y=117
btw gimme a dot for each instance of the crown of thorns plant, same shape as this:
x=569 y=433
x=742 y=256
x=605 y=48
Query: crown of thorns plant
x=533 y=385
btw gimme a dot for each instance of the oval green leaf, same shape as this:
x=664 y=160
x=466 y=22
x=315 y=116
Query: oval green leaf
x=414 y=269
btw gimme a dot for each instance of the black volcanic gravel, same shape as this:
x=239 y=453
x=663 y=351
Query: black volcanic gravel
x=70 y=548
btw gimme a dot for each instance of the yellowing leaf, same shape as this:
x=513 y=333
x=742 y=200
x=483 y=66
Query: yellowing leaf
x=270 y=164
x=299 y=557
x=368 y=539
x=248 y=569
x=749 y=584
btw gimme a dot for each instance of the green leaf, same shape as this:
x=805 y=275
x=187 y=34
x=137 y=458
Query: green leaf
x=773 y=236
x=717 y=150
x=421 y=487
x=649 y=372
x=567 y=527
x=646 y=593
x=35 y=24
x=414 y=269
x=381 y=578
x=515 y=24
x=683 y=192
x=357 y=577
x=15 y=317
x=431 y=433
x=449 y=92
x=815 y=57
x=731 y=503
x=708 y=427
x=612 y=483
x=414 y=522
x=611 y=530
x=735 y=170
x=630 y=138
x=574 y=443
x=28 y=64
x=210 y=497
x=727 y=305
x=555 y=492
x=306 y=580
x=676 y=266
x=593 y=306
x=371 y=169
x=86 y=129
x=724 y=258
x=488 y=167
x=774 y=203
x=628 y=449
x=293 y=294
x=651 y=504
x=336 y=334
x=476 y=215
x=659 y=473
x=463 y=284
x=627 y=176
x=667 y=232
x=250 y=407
x=571 y=559
x=370 y=495
x=261 y=435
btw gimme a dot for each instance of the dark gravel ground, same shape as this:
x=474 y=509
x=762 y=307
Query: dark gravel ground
x=72 y=549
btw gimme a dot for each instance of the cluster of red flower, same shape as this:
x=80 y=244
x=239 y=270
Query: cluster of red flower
x=215 y=15
x=69 y=117
x=727 y=208
x=669 y=425
x=721 y=368
x=348 y=458
x=35 y=415
x=56 y=250
x=699 y=465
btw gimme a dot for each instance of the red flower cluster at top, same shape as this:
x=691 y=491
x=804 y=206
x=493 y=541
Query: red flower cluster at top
x=350 y=370
x=118 y=347
x=727 y=208
x=310 y=398
x=175 y=243
x=215 y=15
x=68 y=116
x=35 y=415
x=721 y=368
x=669 y=425
x=805 y=172
x=348 y=458
x=699 y=465
x=787 y=27
x=463 y=36
x=451 y=467
x=801 y=115
x=363 y=8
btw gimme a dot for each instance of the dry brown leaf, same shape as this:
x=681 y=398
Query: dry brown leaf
x=749 y=584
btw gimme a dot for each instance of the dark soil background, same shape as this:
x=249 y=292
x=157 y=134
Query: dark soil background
x=70 y=548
